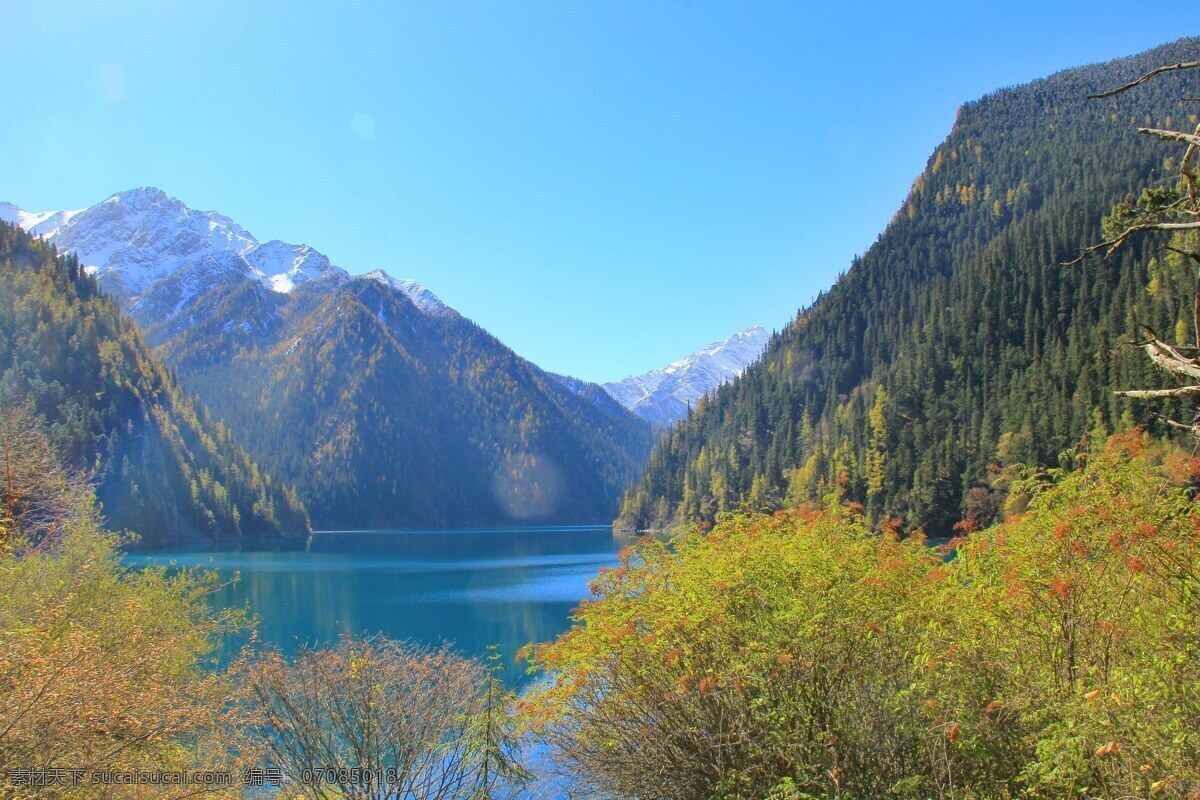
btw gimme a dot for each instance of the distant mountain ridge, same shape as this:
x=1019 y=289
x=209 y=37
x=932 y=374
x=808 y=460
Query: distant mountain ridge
x=138 y=240
x=383 y=406
x=663 y=396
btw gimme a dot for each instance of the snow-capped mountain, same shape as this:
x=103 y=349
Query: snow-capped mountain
x=663 y=396
x=383 y=407
x=285 y=265
x=155 y=252
x=135 y=238
x=422 y=298
x=37 y=224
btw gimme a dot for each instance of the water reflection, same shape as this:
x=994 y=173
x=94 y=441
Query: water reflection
x=506 y=587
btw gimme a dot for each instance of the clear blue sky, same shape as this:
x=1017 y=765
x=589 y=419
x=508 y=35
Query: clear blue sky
x=605 y=186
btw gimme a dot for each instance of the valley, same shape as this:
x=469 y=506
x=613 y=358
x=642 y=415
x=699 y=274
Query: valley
x=297 y=517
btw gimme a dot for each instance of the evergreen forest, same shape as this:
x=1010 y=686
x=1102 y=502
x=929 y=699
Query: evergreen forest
x=959 y=345
x=162 y=465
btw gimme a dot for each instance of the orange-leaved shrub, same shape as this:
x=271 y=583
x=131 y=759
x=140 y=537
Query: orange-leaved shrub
x=104 y=670
x=1070 y=666
x=765 y=656
x=801 y=655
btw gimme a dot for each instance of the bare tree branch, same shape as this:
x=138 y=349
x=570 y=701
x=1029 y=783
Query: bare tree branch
x=1112 y=245
x=385 y=707
x=39 y=494
x=1192 y=429
x=1146 y=77
x=1171 y=136
x=1171 y=359
x=1087 y=252
x=1194 y=255
x=1181 y=391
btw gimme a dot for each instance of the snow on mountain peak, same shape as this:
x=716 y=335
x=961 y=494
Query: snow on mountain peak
x=663 y=395
x=155 y=251
x=136 y=238
x=731 y=355
x=422 y=298
x=285 y=265
x=381 y=276
x=139 y=198
x=42 y=223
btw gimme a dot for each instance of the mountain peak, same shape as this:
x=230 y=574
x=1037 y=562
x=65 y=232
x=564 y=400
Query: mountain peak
x=282 y=265
x=381 y=276
x=428 y=302
x=141 y=196
x=663 y=396
x=39 y=223
x=140 y=240
x=137 y=238
x=754 y=337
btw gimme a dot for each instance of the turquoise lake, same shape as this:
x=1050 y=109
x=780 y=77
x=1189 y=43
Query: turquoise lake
x=475 y=588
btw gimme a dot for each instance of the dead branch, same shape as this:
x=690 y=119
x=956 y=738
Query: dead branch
x=1185 y=215
x=1113 y=245
x=1152 y=73
x=1087 y=252
x=1165 y=226
x=1171 y=136
x=1192 y=429
x=1181 y=391
x=1170 y=359
x=1194 y=255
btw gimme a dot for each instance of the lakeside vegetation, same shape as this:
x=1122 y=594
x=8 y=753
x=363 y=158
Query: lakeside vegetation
x=111 y=670
x=100 y=667
x=804 y=655
x=801 y=654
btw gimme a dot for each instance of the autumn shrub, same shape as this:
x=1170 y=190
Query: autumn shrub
x=40 y=497
x=762 y=658
x=1070 y=666
x=802 y=655
x=102 y=668
x=377 y=719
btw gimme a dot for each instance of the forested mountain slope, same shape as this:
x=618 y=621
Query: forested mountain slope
x=164 y=468
x=384 y=406
x=956 y=345
x=390 y=414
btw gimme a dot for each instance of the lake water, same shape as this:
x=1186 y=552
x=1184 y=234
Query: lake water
x=506 y=587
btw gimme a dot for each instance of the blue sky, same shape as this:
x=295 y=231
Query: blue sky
x=605 y=186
